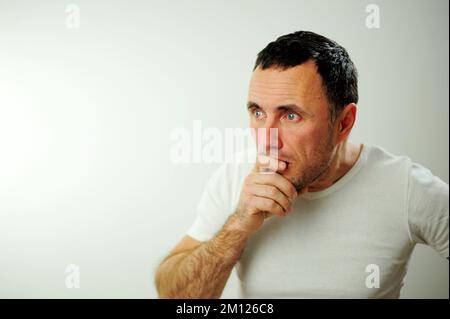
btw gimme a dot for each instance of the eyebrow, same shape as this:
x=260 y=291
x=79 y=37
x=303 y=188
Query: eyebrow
x=285 y=107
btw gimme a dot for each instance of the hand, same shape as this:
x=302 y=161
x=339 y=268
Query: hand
x=264 y=192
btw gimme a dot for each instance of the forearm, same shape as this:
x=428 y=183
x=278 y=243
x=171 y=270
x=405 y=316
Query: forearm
x=204 y=271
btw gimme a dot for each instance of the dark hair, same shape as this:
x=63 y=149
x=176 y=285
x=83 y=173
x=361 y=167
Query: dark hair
x=334 y=65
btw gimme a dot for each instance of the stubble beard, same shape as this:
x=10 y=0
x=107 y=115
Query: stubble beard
x=317 y=167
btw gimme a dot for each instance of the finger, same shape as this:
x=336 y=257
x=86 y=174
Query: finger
x=263 y=204
x=271 y=192
x=279 y=181
x=267 y=164
x=267 y=215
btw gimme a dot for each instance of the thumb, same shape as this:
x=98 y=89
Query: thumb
x=266 y=164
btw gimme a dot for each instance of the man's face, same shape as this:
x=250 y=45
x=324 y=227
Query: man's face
x=294 y=102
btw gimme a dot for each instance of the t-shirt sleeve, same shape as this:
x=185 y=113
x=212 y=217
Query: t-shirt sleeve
x=427 y=208
x=214 y=206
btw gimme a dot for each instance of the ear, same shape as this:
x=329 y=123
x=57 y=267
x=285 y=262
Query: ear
x=346 y=120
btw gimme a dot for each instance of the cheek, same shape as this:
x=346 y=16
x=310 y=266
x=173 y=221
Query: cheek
x=299 y=138
x=305 y=144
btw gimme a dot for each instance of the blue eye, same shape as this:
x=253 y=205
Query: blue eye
x=258 y=113
x=292 y=116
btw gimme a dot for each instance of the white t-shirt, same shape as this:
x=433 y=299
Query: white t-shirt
x=336 y=241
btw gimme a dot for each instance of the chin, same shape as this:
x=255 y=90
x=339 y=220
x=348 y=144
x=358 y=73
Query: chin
x=291 y=176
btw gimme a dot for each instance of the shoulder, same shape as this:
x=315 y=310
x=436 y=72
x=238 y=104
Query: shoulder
x=425 y=189
x=378 y=155
x=420 y=180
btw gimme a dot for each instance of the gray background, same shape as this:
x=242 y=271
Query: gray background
x=86 y=115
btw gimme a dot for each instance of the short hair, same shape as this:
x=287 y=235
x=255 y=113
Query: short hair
x=339 y=74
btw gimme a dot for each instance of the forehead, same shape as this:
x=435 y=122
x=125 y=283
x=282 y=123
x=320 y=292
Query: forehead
x=301 y=85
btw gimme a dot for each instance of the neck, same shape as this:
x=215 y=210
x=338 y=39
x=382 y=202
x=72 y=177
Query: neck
x=344 y=157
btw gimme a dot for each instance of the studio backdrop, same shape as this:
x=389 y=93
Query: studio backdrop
x=94 y=93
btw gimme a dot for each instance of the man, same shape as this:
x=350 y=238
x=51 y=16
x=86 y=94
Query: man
x=347 y=216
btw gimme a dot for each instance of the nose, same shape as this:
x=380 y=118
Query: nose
x=269 y=138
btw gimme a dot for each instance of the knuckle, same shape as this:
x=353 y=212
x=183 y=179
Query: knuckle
x=253 y=202
x=286 y=204
x=273 y=205
x=265 y=203
x=293 y=191
x=278 y=211
x=272 y=191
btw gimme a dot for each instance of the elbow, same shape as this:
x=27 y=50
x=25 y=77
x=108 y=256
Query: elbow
x=163 y=289
x=161 y=292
